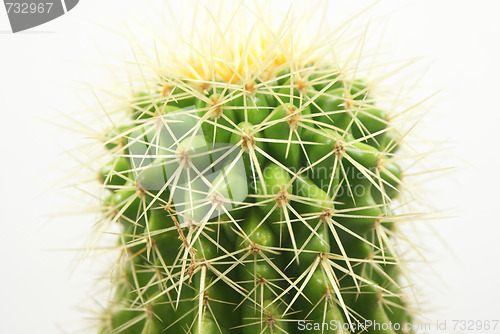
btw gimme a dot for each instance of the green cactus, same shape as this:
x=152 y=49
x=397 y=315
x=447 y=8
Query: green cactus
x=260 y=202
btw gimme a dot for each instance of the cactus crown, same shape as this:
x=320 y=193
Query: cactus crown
x=255 y=188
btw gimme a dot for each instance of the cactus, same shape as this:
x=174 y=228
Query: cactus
x=255 y=193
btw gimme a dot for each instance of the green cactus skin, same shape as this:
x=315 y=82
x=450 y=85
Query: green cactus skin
x=262 y=205
x=301 y=246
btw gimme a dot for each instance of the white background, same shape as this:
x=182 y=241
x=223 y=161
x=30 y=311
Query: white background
x=43 y=74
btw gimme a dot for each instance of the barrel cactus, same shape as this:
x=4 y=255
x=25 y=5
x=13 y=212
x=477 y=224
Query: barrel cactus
x=256 y=190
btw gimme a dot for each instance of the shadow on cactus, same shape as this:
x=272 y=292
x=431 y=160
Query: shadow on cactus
x=256 y=188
